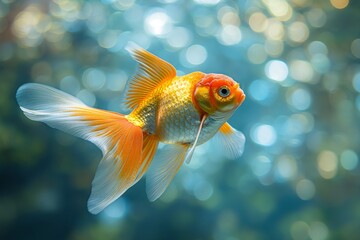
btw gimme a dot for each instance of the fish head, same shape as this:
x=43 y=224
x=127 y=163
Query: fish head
x=218 y=93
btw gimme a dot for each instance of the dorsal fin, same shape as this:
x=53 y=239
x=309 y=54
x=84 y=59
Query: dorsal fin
x=153 y=70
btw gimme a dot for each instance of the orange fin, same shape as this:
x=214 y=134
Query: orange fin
x=123 y=143
x=226 y=129
x=163 y=169
x=150 y=144
x=120 y=141
x=153 y=70
x=230 y=141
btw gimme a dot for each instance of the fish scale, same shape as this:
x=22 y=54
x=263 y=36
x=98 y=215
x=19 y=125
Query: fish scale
x=177 y=115
x=169 y=112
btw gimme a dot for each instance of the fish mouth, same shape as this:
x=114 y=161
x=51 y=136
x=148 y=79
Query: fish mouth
x=240 y=96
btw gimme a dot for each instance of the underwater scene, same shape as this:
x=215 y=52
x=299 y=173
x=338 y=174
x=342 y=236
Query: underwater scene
x=297 y=61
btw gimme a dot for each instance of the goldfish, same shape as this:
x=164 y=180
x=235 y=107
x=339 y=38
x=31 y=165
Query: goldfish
x=181 y=112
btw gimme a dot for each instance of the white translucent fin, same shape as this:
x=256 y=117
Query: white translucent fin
x=192 y=149
x=55 y=108
x=163 y=169
x=119 y=140
x=47 y=104
x=229 y=141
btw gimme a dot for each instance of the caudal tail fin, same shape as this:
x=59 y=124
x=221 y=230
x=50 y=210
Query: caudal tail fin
x=125 y=156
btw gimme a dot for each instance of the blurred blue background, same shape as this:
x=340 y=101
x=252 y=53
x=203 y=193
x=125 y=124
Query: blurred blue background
x=298 y=62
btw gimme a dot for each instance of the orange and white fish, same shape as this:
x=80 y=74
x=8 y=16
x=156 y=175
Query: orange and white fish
x=180 y=111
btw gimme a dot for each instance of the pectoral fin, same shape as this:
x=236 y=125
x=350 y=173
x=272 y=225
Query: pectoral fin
x=163 y=169
x=230 y=141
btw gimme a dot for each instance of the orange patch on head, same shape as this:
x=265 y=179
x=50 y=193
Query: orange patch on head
x=240 y=96
x=218 y=92
x=215 y=79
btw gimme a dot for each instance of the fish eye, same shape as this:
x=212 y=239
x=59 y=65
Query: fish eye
x=224 y=91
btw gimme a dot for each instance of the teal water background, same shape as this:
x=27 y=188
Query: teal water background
x=298 y=62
